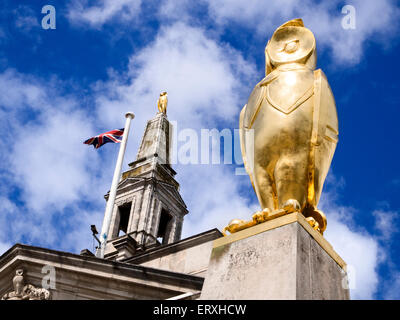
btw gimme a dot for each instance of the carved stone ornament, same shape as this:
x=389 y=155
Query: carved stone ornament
x=25 y=292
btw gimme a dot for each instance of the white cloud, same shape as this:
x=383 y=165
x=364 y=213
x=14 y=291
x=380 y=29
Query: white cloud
x=360 y=251
x=50 y=161
x=79 y=236
x=103 y=12
x=48 y=175
x=20 y=225
x=4 y=246
x=169 y=9
x=213 y=196
x=25 y=18
x=47 y=163
x=347 y=46
x=324 y=18
x=19 y=91
x=358 y=248
x=384 y=222
x=5 y=206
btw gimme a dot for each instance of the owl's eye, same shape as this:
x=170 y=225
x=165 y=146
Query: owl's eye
x=291 y=46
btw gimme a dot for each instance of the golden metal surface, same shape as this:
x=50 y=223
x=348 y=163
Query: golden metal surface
x=293 y=116
x=162 y=102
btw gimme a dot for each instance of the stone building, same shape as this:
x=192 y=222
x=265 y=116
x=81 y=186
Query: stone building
x=145 y=257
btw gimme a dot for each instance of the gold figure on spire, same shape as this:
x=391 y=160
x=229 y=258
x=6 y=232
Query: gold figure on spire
x=289 y=130
x=162 y=102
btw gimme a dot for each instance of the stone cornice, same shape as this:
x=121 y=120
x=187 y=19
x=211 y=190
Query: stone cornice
x=101 y=267
x=163 y=250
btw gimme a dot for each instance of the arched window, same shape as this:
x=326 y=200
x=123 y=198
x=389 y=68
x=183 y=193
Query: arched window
x=164 y=226
x=124 y=212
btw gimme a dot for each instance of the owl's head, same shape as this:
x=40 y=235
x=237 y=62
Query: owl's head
x=291 y=43
x=164 y=93
x=19 y=272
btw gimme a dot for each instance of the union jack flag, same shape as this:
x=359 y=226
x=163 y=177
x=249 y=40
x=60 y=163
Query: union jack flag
x=110 y=136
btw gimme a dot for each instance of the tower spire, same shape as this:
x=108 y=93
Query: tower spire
x=148 y=210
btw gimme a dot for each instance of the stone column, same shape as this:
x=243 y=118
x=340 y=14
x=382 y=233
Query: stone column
x=279 y=259
x=113 y=233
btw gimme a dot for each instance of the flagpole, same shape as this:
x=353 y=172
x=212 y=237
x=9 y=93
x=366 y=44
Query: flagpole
x=113 y=191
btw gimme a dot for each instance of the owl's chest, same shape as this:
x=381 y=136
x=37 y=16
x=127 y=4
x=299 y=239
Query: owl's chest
x=290 y=90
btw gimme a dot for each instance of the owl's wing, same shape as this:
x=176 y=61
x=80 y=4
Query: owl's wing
x=253 y=105
x=246 y=133
x=325 y=102
x=158 y=104
x=325 y=129
x=245 y=144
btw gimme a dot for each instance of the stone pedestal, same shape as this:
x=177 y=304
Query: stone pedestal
x=280 y=259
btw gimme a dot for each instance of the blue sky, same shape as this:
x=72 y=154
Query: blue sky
x=60 y=87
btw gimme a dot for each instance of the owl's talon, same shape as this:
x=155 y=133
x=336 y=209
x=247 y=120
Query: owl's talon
x=313 y=223
x=291 y=205
x=234 y=225
x=258 y=217
x=318 y=216
x=261 y=216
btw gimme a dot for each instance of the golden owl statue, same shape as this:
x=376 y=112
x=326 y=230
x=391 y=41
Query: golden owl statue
x=289 y=129
x=162 y=102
